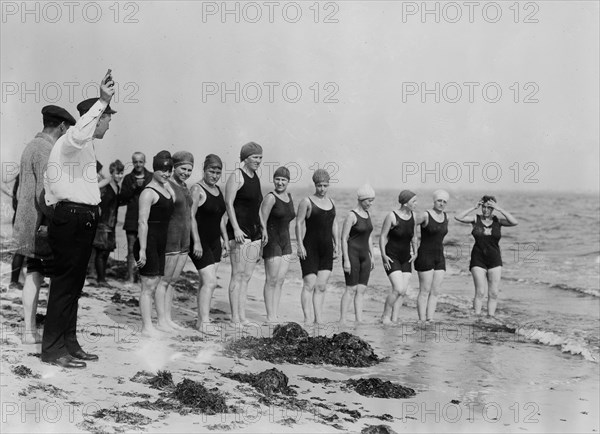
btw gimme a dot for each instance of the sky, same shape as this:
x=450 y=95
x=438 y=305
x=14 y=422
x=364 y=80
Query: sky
x=419 y=95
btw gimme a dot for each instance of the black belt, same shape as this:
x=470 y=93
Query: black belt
x=77 y=206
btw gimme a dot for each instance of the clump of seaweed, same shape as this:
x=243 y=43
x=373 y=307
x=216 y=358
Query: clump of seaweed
x=291 y=345
x=162 y=379
x=268 y=382
x=122 y=416
x=377 y=429
x=377 y=388
x=132 y=302
x=23 y=372
x=194 y=394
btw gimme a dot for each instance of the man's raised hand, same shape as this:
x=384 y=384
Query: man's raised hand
x=107 y=87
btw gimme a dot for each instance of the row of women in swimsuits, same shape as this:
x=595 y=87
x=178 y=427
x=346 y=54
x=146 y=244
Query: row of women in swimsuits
x=254 y=222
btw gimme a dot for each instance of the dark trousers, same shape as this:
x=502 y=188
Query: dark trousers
x=70 y=233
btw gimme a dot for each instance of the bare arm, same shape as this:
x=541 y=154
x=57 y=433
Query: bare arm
x=463 y=217
x=508 y=219
x=383 y=240
x=301 y=215
x=198 y=198
x=265 y=211
x=349 y=221
x=234 y=183
x=147 y=199
x=224 y=235
x=415 y=239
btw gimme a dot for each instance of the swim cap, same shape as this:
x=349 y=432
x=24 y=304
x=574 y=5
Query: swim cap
x=365 y=192
x=162 y=161
x=282 y=172
x=250 y=148
x=320 y=175
x=211 y=161
x=182 y=157
x=441 y=194
x=405 y=196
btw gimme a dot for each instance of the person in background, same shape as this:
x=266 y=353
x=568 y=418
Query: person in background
x=398 y=244
x=431 y=263
x=32 y=215
x=71 y=186
x=155 y=210
x=208 y=228
x=486 y=260
x=276 y=213
x=243 y=197
x=178 y=236
x=18 y=260
x=133 y=184
x=105 y=239
x=357 y=252
x=317 y=235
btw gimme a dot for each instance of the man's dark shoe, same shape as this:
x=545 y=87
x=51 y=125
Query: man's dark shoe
x=82 y=355
x=67 y=362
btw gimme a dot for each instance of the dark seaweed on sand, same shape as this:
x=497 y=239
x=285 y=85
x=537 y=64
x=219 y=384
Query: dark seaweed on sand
x=23 y=371
x=194 y=394
x=268 y=382
x=377 y=388
x=132 y=302
x=122 y=416
x=290 y=343
x=377 y=429
x=162 y=380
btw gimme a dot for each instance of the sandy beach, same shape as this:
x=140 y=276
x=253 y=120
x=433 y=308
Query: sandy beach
x=439 y=362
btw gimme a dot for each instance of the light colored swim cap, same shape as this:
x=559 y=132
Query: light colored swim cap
x=365 y=192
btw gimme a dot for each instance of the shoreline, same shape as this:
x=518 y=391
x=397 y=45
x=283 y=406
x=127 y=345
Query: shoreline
x=431 y=361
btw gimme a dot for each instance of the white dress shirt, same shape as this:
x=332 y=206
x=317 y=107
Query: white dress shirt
x=71 y=171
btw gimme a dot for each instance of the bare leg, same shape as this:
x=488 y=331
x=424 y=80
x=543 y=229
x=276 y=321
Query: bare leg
x=31 y=293
x=394 y=300
x=306 y=297
x=208 y=278
x=161 y=294
x=319 y=294
x=283 y=269
x=272 y=266
x=243 y=261
x=438 y=277
x=480 y=280
x=181 y=259
x=149 y=284
x=425 y=281
x=359 y=301
x=493 y=278
x=345 y=303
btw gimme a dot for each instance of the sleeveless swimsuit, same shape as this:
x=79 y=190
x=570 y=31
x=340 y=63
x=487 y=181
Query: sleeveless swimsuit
x=486 y=251
x=318 y=240
x=398 y=245
x=178 y=233
x=156 y=239
x=431 y=249
x=278 y=228
x=358 y=251
x=247 y=207
x=208 y=220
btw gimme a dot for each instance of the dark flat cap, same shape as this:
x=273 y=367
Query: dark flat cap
x=87 y=104
x=57 y=114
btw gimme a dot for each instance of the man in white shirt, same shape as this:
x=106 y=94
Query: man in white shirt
x=71 y=187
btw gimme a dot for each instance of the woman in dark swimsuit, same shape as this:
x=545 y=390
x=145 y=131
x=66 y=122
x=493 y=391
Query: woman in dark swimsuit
x=155 y=208
x=486 y=261
x=276 y=213
x=317 y=235
x=178 y=235
x=357 y=253
x=431 y=263
x=243 y=197
x=398 y=244
x=208 y=227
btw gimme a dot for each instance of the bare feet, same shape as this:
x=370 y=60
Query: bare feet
x=165 y=327
x=174 y=325
x=386 y=320
x=151 y=332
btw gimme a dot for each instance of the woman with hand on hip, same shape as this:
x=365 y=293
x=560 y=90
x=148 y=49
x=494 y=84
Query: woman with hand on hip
x=276 y=213
x=357 y=252
x=243 y=197
x=486 y=260
x=398 y=245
